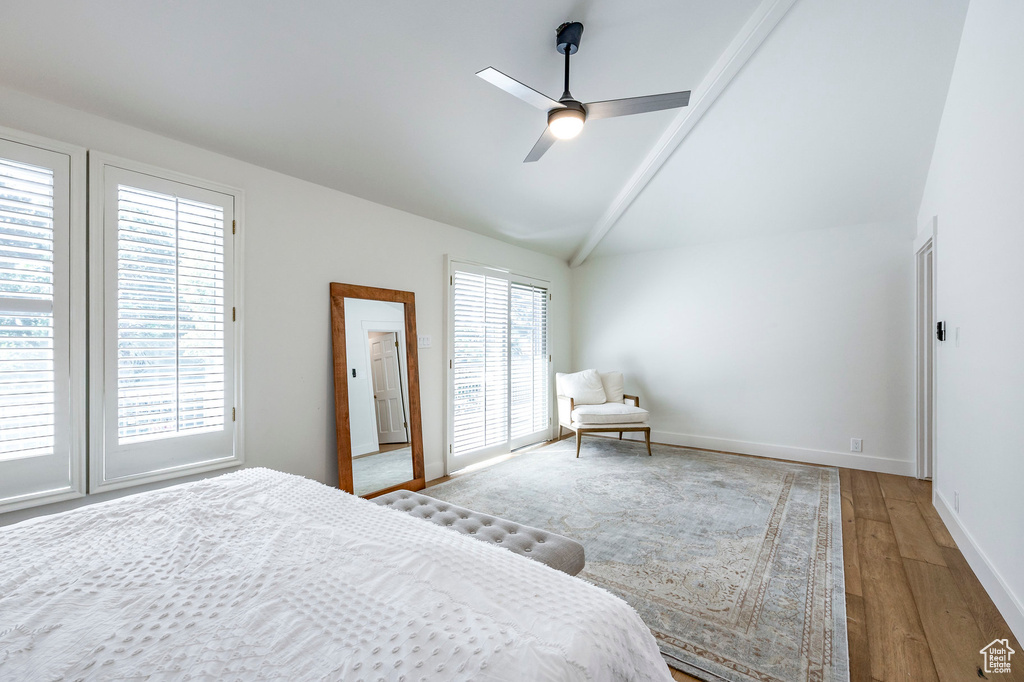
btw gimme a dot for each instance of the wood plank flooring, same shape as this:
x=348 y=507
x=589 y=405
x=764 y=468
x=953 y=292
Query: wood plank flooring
x=915 y=611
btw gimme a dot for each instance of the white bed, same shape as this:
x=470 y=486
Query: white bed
x=262 y=575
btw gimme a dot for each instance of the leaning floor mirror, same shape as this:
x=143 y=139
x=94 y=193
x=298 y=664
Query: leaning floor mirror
x=376 y=390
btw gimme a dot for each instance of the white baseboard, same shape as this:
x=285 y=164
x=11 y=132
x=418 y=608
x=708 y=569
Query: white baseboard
x=884 y=465
x=1002 y=596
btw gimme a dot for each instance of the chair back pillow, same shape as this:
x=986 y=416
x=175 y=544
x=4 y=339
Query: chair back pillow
x=585 y=388
x=614 y=385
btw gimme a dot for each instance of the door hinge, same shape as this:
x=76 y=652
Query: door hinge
x=233 y=227
x=450 y=365
x=405 y=424
x=549 y=358
x=232 y=414
x=232 y=313
x=449 y=448
x=396 y=344
x=549 y=297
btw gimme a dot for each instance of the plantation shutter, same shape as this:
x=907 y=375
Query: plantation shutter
x=170 y=314
x=480 y=365
x=27 y=365
x=38 y=462
x=169 y=341
x=529 y=360
x=500 y=368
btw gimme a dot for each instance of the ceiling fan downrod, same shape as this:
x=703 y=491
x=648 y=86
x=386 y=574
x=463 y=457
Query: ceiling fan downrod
x=567 y=42
x=565 y=93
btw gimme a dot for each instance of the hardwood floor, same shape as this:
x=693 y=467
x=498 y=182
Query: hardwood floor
x=914 y=609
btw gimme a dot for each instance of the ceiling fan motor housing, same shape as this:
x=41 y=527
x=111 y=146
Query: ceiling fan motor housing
x=569 y=105
x=569 y=35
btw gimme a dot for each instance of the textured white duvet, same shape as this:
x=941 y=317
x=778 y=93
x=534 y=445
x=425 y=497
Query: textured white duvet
x=260 y=575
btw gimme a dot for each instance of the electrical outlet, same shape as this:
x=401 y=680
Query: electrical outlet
x=956 y=501
x=856 y=445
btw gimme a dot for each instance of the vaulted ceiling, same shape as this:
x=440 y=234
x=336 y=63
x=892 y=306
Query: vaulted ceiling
x=830 y=122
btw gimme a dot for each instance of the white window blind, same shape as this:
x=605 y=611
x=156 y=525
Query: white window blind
x=500 y=366
x=529 y=325
x=480 y=367
x=27 y=409
x=168 y=340
x=39 y=458
x=170 y=314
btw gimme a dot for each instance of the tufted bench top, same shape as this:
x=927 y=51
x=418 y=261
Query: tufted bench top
x=556 y=551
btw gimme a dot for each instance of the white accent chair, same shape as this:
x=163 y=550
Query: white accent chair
x=593 y=402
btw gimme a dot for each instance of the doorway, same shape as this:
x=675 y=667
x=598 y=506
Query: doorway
x=925 y=352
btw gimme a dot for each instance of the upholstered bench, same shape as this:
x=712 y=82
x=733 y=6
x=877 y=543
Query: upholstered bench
x=554 y=550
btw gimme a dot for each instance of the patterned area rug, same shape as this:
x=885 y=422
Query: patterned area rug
x=735 y=563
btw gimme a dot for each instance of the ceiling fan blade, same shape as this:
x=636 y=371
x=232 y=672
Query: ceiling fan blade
x=637 y=105
x=542 y=145
x=514 y=87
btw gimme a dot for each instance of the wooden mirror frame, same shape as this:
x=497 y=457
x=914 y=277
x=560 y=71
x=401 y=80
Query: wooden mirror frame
x=339 y=292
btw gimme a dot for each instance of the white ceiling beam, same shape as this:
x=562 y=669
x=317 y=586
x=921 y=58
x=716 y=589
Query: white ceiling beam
x=761 y=23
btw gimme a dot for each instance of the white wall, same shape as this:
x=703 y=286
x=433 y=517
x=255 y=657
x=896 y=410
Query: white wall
x=976 y=189
x=786 y=346
x=299 y=237
x=362 y=412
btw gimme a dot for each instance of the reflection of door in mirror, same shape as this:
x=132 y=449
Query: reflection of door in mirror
x=385 y=372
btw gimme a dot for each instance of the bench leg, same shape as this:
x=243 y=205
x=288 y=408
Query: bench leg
x=579 y=440
x=647 y=437
x=620 y=435
x=559 y=432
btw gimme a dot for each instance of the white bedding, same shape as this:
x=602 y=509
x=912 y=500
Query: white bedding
x=261 y=575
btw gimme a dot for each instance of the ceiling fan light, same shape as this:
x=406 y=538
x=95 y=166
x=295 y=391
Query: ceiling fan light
x=566 y=124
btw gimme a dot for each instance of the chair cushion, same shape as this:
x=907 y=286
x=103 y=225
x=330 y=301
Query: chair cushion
x=613 y=386
x=557 y=551
x=610 y=413
x=585 y=388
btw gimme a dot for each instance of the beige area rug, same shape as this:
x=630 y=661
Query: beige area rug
x=735 y=563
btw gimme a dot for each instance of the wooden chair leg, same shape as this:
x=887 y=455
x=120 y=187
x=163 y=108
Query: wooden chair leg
x=647 y=437
x=560 y=432
x=579 y=439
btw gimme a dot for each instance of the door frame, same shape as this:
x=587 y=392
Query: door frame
x=924 y=349
x=386 y=327
x=451 y=263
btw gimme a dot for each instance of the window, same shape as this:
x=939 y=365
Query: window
x=42 y=378
x=499 y=363
x=167 y=406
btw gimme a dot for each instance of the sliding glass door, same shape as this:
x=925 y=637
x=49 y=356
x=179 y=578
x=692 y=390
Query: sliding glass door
x=499 y=367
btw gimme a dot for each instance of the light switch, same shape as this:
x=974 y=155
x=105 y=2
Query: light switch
x=424 y=340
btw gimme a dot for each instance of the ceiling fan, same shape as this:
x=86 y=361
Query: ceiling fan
x=567 y=115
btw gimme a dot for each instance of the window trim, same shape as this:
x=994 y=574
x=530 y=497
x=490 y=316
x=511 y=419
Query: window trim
x=451 y=264
x=97 y=341
x=77 y=320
